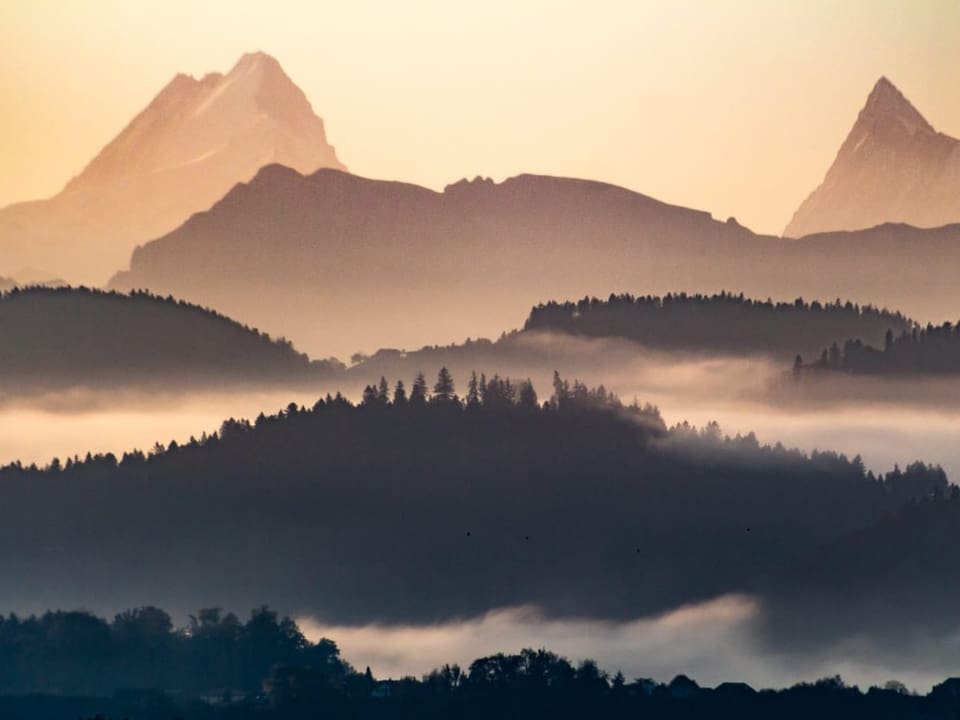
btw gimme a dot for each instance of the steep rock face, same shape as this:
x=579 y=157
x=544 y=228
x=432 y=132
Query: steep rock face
x=184 y=151
x=893 y=167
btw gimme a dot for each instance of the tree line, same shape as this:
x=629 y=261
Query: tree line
x=78 y=653
x=140 y=666
x=721 y=322
x=933 y=350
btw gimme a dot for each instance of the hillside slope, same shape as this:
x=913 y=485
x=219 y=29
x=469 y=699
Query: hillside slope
x=54 y=338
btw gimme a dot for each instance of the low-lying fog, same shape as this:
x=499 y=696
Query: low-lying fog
x=885 y=421
x=710 y=642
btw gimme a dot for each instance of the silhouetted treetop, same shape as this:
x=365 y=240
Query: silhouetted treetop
x=719 y=323
x=933 y=350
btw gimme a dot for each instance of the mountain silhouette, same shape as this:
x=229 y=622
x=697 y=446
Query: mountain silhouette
x=55 y=338
x=893 y=167
x=189 y=146
x=342 y=263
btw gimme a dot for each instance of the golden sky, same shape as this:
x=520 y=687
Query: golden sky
x=732 y=106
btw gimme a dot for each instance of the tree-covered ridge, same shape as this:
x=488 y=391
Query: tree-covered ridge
x=431 y=501
x=718 y=323
x=55 y=337
x=933 y=350
x=139 y=665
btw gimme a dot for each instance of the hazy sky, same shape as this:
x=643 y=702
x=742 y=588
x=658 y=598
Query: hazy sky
x=736 y=107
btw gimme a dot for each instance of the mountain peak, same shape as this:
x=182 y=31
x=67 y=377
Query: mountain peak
x=196 y=139
x=192 y=120
x=893 y=167
x=886 y=104
x=256 y=61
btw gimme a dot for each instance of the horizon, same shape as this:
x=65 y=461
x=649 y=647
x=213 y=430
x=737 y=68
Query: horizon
x=474 y=115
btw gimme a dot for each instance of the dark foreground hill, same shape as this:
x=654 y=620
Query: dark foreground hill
x=56 y=338
x=334 y=258
x=403 y=510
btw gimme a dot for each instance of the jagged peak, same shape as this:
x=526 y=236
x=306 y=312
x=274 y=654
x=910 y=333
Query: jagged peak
x=887 y=103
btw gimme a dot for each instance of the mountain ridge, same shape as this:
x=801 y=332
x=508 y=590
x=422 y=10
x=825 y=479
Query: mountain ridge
x=332 y=244
x=361 y=263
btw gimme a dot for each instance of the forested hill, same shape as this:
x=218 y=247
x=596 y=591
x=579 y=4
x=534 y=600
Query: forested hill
x=930 y=351
x=419 y=507
x=722 y=323
x=561 y=335
x=60 y=337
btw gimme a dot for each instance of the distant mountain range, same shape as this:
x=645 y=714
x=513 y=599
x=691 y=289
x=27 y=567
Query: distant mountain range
x=342 y=263
x=57 y=338
x=893 y=167
x=192 y=143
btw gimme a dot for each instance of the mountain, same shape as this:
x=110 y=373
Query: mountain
x=343 y=263
x=336 y=258
x=55 y=338
x=189 y=146
x=893 y=167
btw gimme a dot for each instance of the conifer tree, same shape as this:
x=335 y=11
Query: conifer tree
x=400 y=394
x=418 y=394
x=443 y=390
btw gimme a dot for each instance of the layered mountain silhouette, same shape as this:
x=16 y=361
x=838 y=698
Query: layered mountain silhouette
x=58 y=338
x=341 y=263
x=191 y=144
x=893 y=167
